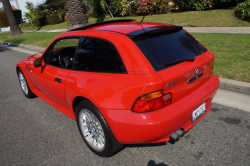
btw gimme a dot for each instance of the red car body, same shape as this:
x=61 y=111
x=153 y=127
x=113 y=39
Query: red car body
x=114 y=94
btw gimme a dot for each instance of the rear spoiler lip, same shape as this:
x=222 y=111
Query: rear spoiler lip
x=151 y=30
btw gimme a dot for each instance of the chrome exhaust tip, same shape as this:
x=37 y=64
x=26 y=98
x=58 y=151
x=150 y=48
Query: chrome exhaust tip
x=175 y=136
x=180 y=132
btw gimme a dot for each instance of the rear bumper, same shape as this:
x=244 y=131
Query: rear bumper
x=130 y=127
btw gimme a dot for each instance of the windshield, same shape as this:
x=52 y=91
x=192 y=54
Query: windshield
x=167 y=47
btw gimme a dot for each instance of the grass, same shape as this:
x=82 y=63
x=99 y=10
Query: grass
x=231 y=50
x=41 y=39
x=63 y=25
x=232 y=56
x=209 y=18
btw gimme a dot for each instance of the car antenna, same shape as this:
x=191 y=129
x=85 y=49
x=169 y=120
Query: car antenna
x=143 y=19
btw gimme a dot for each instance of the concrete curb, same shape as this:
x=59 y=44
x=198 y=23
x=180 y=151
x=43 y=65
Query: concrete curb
x=233 y=85
x=34 y=48
x=237 y=86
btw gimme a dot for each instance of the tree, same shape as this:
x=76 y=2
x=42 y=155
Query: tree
x=77 y=16
x=14 y=28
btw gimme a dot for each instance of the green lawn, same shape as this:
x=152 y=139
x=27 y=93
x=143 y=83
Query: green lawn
x=231 y=50
x=232 y=55
x=210 y=18
x=41 y=39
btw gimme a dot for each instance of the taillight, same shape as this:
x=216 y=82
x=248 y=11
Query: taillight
x=151 y=102
x=211 y=70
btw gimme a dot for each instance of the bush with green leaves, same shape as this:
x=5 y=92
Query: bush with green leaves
x=242 y=10
x=26 y=25
x=53 y=19
x=132 y=8
x=119 y=7
x=162 y=6
x=4 y=21
x=186 y=5
x=61 y=13
x=39 y=21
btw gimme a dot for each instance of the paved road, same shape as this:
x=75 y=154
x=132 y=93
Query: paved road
x=34 y=133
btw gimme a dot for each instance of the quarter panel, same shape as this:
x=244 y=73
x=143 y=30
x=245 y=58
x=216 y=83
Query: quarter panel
x=111 y=91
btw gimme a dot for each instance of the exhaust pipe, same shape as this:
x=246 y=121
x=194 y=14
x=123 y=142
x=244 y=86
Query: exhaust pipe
x=180 y=132
x=175 y=136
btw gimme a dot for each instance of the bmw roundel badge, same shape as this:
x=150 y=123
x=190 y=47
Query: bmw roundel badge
x=196 y=70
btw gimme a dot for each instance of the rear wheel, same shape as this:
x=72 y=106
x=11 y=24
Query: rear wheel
x=95 y=130
x=24 y=85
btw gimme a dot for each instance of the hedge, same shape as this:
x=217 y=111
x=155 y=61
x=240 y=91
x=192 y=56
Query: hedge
x=4 y=21
x=53 y=19
x=39 y=21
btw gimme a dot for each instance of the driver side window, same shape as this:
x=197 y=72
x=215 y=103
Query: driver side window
x=63 y=53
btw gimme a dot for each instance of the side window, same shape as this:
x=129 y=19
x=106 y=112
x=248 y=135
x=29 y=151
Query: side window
x=98 y=55
x=62 y=55
x=46 y=56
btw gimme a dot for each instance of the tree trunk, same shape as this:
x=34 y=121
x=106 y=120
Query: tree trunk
x=14 y=28
x=77 y=16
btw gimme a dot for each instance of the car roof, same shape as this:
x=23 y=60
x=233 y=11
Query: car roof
x=123 y=26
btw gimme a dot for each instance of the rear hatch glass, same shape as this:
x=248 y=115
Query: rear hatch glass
x=177 y=57
x=164 y=49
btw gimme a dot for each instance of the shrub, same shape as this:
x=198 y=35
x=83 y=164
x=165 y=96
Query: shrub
x=53 y=19
x=194 y=4
x=39 y=21
x=242 y=10
x=4 y=20
x=26 y=25
x=145 y=7
x=132 y=8
x=162 y=6
x=118 y=7
x=61 y=13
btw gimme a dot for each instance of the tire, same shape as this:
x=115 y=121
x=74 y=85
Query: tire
x=24 y=85
x=95 y=130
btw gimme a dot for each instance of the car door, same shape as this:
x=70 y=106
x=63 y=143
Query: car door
x=50 y=78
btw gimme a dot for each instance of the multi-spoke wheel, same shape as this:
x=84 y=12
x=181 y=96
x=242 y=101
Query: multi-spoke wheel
x=95 y=130
x=24 y=85
x=92 y=130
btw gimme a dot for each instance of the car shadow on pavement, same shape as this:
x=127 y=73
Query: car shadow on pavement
x=144 y=145
x=2 y=49
x=152 y=163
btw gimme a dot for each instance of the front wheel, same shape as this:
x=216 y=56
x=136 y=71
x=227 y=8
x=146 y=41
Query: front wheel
x=24 y=85
x=95 y=130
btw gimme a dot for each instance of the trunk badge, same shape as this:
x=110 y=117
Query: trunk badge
x=196 y=70
x=170 y=83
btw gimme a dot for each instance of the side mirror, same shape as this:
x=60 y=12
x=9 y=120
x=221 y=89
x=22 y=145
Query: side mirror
x=38 y=62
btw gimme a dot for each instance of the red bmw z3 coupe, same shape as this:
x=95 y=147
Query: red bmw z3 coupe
x=124 y=82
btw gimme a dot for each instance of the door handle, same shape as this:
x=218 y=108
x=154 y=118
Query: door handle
x=58 y=80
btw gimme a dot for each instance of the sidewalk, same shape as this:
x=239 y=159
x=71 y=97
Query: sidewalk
x=244 y=30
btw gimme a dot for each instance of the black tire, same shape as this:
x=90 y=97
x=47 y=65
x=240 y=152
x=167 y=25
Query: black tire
x=26 y=90
x=111 y=145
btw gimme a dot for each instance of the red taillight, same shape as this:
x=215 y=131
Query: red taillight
x=211 y=70
x=152 y=101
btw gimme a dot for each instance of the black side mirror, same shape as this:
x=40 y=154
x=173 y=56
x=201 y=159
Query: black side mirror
x=38 y=62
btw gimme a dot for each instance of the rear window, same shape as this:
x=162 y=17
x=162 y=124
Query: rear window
x=169 y=46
